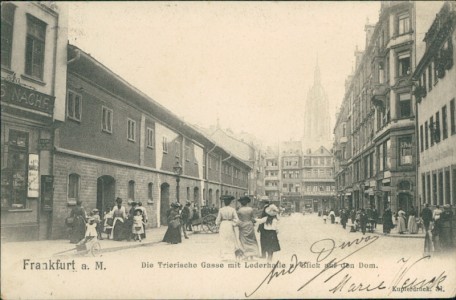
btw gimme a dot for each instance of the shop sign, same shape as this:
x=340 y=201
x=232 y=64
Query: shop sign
x=19 y=95
x=33 y=178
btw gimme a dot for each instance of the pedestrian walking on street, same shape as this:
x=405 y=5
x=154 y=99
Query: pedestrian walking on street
x=79 y=223
x=138 y=225
x=387 y=221
x=227 y=219
x=363 y=219
x=247 y=236
x=173 y=233
x=129 y=221
x=325 y=215
x=412 y=226
x=401 y=221
x=344 y=218
x=261 y=228
x=446 y=229
x=436 y=213
x=145 y=219
x=332 y=215
x=269 y=234
x=185 y=217
x=426 y=215
x=119 y=214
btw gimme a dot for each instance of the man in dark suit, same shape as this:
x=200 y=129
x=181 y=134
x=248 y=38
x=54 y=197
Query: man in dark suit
x=426 y=215
x=261 y=228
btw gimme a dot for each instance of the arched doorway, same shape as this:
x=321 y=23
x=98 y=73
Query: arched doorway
x=196 y=198
x=106 y=193
x=164 y=202
x=405 y=201
x=217 y=198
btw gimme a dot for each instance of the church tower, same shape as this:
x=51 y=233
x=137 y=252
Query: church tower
x=316 y=116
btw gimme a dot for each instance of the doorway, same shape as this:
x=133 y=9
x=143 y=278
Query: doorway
x=405 y=202
x=164 y=203
x=106 y=189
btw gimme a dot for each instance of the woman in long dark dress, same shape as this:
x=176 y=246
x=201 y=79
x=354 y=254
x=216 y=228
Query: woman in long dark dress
x=173 y=233
x=387 y=221
x=79 y=223
x=119 y=215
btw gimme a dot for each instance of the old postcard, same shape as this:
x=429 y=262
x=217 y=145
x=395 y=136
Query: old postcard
x=228 y=150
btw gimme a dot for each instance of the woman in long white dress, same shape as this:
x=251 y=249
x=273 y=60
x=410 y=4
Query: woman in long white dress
x=227 y=219
x=401 y=228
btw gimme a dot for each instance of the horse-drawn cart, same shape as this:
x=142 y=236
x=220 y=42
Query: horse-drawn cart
x=205 y=224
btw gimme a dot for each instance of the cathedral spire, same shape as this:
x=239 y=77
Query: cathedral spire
x=317 y=73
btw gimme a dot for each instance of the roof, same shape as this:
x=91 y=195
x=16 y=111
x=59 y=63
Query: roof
x=90 y=68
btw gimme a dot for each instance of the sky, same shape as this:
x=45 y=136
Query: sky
x=248 y=64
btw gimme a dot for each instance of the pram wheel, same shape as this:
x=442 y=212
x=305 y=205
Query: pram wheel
x=95 y=249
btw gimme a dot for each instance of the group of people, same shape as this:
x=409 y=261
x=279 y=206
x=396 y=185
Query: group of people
x=438 y=225
x=117 y=223
x=237 y=230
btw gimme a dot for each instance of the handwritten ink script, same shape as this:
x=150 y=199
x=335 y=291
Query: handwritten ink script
x=337 y=274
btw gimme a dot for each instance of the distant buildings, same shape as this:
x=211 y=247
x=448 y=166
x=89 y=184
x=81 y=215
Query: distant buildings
x=435 y=95
x=375 y=141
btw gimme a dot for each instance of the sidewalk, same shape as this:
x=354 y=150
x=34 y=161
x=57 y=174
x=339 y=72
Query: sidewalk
x=393 y=233
x=50 y=248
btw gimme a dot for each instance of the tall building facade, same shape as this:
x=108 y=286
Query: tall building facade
x=33 y=80
x=435 y=94
x=376 y=124
x=316 y=115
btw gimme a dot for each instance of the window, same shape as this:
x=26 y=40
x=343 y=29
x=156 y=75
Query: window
x=34 y=48
x=150 y=191
x=405 y=150
x=403 y=61
x=430 y=77
x=452 y=117
x=73 y=188
x=434 y=189
x=423 y=188
x=106 y=119
x=403 y=23
x=131 y=134
x=187 y=153
x=428 y=188
x=421 y=138
x=441 y=190
x=14 y=172
x=7 y=33
x=131 y=190
x=344 y=129
x=177 y=148
x=426 y=135
x=444 y=122
x=74 y=105
x=404 y=105
x=447 y=187
x=431 y=127
x=424 y=83
x=165 y=144
x=150 y=138
x=387 y=152
x=437 y=127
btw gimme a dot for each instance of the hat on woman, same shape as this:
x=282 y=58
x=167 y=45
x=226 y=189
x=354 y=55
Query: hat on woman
x=272 y=210
x=95 y=210
x=175 y=204
x=244 y=199
x=138 y=209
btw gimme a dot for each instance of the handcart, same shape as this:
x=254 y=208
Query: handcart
x=206 y=224
x=85 y=246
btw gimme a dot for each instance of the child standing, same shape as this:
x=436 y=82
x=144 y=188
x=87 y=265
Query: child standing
x=138 y=228
x=269 y=234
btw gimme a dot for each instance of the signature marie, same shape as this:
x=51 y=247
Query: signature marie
x=340 y=280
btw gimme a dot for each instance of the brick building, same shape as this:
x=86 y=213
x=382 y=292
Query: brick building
x=117 y=142
x=33 y=78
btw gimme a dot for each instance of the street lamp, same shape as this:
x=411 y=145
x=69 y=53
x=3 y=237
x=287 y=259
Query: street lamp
x=178 y=171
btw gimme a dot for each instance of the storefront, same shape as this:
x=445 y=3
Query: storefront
x=26 y=157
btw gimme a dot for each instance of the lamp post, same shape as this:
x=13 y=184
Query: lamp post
x=178 y=171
